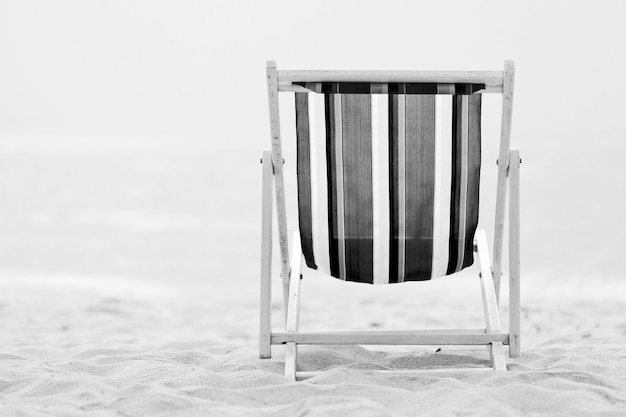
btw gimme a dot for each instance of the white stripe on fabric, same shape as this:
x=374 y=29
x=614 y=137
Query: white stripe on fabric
x=464 y=175
x=443 y=182
x=380 y=183
x=341 y=234
x=375 y=189
x=401 y=185
x=385 y=209
x=446 y=180
x=319 y=208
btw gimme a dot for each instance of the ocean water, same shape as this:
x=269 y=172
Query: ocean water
x=189 y=210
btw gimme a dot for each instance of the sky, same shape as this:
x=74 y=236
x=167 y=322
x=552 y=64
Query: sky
x=172 y=66
x=194 y=71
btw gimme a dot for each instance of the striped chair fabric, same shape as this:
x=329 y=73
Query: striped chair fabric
x=388 y=178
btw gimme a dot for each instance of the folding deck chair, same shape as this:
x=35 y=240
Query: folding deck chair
x=388 y=167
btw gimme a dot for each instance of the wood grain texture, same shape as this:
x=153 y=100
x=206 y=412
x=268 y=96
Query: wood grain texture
x=492 y=318
x=514 y=255
x=503 y=166
x=281 y=214
x=493 y=79
x=266 y=258
x=389 y=338
x=293 y=308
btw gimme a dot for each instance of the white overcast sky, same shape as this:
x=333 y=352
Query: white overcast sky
x=190 y=68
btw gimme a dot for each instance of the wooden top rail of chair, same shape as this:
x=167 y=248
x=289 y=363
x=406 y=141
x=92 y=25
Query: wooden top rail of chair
x=493 y=80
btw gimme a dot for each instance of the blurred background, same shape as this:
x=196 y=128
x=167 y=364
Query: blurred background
x=131 y=131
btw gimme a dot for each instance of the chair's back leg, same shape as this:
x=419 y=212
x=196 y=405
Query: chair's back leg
x=514 y=254
x=490 y=304
x=266 y=259
x=293 y=307
x=503 y=166
x=277 y=156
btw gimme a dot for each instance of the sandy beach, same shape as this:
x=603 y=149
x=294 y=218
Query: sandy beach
x=137 y=348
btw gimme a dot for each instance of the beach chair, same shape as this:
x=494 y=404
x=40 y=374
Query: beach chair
x=388 y=173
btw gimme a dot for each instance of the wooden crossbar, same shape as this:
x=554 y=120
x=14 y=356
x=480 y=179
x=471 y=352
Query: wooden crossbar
x=493 y=80
x=398 y=76
x=389 y=338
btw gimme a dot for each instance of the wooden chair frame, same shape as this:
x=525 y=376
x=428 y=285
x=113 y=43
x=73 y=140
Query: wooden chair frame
x=490 y=272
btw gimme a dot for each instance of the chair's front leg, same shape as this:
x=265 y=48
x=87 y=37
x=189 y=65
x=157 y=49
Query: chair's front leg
x=265 y=335
x=514 y=254
x=490 y=304
x=293 y=307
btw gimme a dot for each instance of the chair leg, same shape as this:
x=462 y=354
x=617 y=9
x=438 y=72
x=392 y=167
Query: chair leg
x=514 y=254
x=265 y=347
x=293 y=307
x=490 y=305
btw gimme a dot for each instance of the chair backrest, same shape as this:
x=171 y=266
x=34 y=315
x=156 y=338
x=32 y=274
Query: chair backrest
x=388 y=169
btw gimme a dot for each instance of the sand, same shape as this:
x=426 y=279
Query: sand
x=135 y=347
x=130 y=290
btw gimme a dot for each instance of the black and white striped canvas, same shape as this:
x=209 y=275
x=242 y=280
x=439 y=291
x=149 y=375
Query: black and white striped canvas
x=388 y=183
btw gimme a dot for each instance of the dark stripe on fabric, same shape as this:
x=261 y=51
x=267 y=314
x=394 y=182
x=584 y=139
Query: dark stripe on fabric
x=303 y=168
x=455 y=195
x=331 y=143
x=455 y=191
x=420 y=186
x=357 y=163
x=390 y=88
x=473 y=186
x=394 y=222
